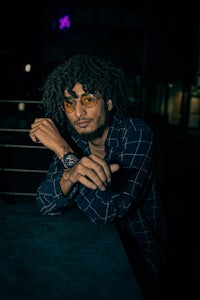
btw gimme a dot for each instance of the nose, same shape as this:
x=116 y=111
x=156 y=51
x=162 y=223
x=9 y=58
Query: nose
x=79 y=109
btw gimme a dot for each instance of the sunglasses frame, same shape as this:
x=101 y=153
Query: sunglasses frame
x=74 y=102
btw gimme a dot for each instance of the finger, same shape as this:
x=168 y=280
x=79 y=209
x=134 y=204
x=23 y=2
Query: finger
x=88 y=183
x=42 y=122
x=114 y=168
x=34 y=138
x=36 y=122
x=86 y=172
x=37 y=140
x=102 y=168
x=75 y=177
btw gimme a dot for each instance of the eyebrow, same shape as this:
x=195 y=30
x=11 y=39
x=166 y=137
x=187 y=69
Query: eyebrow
x=84 y=94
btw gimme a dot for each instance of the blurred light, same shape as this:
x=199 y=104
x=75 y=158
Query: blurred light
x=64 y=22
x=21 y=106
x=27 y=68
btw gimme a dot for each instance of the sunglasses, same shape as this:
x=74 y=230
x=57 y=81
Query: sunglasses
x=87 y=101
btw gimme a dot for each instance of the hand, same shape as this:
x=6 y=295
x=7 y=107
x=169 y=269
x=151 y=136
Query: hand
x=92 y=172
x=44 y=130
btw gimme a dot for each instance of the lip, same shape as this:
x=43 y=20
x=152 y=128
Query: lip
x=83 y=123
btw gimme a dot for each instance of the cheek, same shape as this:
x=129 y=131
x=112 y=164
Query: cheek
x=100 y=118
x=70 y=116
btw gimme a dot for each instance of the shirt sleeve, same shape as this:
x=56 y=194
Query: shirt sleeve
x=134 y=154
x=49 y=198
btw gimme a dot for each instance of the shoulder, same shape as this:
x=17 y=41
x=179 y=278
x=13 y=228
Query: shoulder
x=130 y=123
x=129 y=130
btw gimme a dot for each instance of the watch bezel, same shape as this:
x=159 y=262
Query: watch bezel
x=69 y=163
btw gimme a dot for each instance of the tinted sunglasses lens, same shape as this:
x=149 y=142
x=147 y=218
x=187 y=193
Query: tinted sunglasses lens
x=89 y=100
x=86 y=101
x=68 y=106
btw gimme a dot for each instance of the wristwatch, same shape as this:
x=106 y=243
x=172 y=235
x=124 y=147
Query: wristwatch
x=69 y=160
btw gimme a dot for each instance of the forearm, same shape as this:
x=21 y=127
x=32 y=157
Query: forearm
x=50 y=196
x=106 y=206
x=66 y=184
x=123 y=193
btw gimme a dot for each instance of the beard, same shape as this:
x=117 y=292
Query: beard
x=91 y=136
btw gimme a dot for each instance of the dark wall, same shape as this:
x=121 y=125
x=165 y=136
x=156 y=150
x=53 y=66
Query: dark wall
x=156 y=40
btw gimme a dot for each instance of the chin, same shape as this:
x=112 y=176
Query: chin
x=90 y=135
x=83 y=131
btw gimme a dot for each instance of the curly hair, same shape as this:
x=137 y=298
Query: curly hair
x=95 y=74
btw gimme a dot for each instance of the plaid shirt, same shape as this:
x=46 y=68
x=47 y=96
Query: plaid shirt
x=131 y=200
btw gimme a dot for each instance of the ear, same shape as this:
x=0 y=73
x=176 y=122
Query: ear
x=109 y=105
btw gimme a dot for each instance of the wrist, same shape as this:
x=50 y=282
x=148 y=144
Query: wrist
x=66 y=177
x=63 y=151
x=62 y=148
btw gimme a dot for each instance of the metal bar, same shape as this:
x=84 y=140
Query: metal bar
x=18 y=194
x=23 y=170
x=22 y=146
x=20 y=101
x=15 y=129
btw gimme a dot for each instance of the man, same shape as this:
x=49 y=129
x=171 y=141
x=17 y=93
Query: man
x=103 y=160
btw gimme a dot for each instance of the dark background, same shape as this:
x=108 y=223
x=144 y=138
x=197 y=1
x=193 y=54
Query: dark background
x=151 y=40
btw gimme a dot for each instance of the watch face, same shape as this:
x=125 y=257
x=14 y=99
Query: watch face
x=69 y=160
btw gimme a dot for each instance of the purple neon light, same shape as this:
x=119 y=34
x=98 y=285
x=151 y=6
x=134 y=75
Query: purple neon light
x=64 y=22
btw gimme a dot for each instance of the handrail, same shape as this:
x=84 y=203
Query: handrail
x=22 y=146
x=13 y=144
x=15 y=129
x=23 y=170
x=17 y=194
x=19 y=101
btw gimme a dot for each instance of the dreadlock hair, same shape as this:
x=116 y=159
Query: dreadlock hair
x=95 y=74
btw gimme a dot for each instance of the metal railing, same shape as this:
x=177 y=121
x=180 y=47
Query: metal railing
x=19 y=179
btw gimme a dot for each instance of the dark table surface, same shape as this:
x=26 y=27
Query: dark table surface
x=61 y=257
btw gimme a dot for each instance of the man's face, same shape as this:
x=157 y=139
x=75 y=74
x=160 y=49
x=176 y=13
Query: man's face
x=89 y=122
